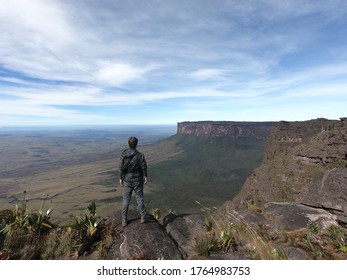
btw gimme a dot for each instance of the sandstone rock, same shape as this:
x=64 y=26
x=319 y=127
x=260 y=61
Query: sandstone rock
x=227 y=256
x=297 y=160
x=342 y=220
x=259 y=130
x=183 y=228
x=329 y=190
x=148 y=241
x=296 y=254
x=301 y=131
x=291 y=216
x=253 y=218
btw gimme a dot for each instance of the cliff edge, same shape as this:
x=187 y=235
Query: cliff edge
x=304 y=162
x=214 y=129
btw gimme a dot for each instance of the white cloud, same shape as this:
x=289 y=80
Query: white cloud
x=36 y=21
x=117 y=74
x=206 y=74
x=36 y=39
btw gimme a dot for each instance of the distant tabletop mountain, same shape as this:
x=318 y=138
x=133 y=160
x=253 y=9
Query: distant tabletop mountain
x=205 y=161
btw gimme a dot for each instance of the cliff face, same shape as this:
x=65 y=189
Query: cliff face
x=321 y=140
x=304 y=162
x=259 y=130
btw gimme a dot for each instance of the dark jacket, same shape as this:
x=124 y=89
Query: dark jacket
x=132 y=166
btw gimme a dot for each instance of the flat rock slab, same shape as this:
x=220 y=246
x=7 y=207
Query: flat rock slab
x=329 y=190
x=296 y=254
x=148 y=241
x=291 y=216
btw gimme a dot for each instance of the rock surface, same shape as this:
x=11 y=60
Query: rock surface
x=304 y=162
x=328 y=190
x=259 y=130
x=291 y=216
x=141 y=241
x=183 y=229
x=148 y=241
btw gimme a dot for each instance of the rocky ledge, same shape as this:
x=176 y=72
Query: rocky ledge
x=279 y=231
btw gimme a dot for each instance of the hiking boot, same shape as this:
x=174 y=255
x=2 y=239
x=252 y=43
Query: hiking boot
x=124 y=223
x=143 y=220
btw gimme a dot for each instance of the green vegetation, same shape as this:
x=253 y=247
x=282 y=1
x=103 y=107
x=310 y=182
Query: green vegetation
x=30 y=235
x=314 y=227
x=75 y=168
x=211 y=170
x=204 y=244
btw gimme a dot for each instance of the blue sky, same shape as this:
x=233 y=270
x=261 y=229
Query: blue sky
x=160 y=62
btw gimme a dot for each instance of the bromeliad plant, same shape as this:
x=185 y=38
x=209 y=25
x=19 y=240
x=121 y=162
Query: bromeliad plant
x=87 y=225
x=21 y=231
x=216 y=229
x=29 y=222
x=87 y=228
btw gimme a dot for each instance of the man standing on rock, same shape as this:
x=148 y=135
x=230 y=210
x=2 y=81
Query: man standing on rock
x=133 y=175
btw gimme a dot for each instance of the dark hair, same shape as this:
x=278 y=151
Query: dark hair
x=132 y=142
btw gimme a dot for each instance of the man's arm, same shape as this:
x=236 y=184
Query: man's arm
x=144 y=169
x=121 y=170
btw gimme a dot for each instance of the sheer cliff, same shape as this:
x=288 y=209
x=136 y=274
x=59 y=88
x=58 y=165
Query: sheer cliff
x=304 y=162
x=214 y=129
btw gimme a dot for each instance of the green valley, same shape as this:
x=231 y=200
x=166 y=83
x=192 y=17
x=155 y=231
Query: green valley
x=208 y=170
x=67 y=170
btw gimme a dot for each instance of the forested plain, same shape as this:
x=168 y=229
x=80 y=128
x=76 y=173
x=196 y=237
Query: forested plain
x=67 y=169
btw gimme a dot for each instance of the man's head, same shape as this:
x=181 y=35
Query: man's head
x=132 y=142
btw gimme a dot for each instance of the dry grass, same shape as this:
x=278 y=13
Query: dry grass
x=229 y=233
x=203 y=244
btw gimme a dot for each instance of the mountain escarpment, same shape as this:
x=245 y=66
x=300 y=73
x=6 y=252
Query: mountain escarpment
x=304 y=162
x=215 y=129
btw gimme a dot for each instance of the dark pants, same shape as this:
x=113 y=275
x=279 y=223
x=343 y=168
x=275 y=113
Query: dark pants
x=129 y=188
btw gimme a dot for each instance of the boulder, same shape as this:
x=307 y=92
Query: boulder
x=183 y=228
x=148 y=241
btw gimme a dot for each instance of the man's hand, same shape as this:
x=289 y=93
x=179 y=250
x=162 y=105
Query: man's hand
x=145 y=180
x=121 y=182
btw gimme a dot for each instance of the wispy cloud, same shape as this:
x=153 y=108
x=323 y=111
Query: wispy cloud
x=79 y=58
x=206 y=74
